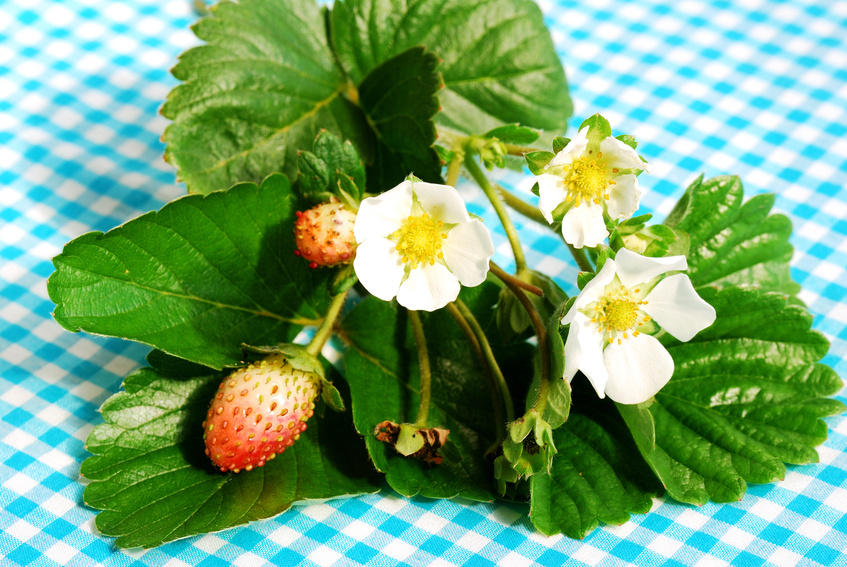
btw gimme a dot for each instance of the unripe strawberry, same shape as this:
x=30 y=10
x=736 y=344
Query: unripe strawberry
x=258 y=412
x=324 y=235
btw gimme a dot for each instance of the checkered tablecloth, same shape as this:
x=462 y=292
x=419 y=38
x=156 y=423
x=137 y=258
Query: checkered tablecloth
x=752 y=87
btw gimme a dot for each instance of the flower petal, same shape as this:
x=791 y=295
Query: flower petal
x=467 y=250
x=634 y=269
x=379 y=267
x=638 y=368
x=574 y=149
x=678 y=309
x=428 y=288
x=551 y=192
x=620 y=155
x=592 y=290
x=584 y=225
x=584 y=352
x=381 y=215
x=441 y=202
x=623 y=197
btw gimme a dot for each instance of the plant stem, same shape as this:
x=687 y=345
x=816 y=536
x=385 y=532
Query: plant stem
x=500 y=209
x=496 y=395
x=543 y=343
x=581 y=260
x=504 y=275
x=423 y=363
x=522 y=207
x=489 y=356
x=532 y=213
x=514 y=150
x=454 y=168
x=325 y=330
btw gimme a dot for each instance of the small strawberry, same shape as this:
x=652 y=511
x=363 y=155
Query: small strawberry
x=258 y=412
x=324 y=235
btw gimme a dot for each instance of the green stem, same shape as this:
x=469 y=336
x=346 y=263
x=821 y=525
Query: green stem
x=496 y=397
x=522 y=207
x=489 y=356
x=423 y=363
x=455 y=168
x=532 y=213
x=580 y=257
x=511 y=149
x=325 y=330
x=543 y=343
x=500 y=209
x=504 y=275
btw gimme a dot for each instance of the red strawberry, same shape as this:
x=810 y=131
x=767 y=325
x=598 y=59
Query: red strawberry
x=324 y=235
x=258 y=412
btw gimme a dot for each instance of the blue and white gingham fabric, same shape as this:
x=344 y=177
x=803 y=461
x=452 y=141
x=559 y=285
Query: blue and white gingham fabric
x=752 y=87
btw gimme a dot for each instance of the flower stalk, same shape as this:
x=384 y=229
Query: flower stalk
x=500 y=209
x=505 y=395
x=325 y=330
x=425 y=372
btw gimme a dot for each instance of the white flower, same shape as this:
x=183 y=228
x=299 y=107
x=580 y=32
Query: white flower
x=589 y=178
x=613 y=319
x=418 y=243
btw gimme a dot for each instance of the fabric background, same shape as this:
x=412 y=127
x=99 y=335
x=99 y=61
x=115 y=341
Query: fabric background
x=752 y=87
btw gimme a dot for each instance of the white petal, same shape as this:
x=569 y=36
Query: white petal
x=551 y=192
x=467 y=250
x=638 y=368
x=428 y=288
x=441 y=202
x=574 y=149
x=379 y=267
x=592 y=290
x=381 y=215
x=584 y=226
x=678 y=309
x=623 y=197
x=634 y=269
x=618 y=154
x=584 y=352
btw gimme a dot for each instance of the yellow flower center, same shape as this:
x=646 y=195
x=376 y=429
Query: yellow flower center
x=419 y=240
x=618 y=313
x=588 y=180
x=621 y=314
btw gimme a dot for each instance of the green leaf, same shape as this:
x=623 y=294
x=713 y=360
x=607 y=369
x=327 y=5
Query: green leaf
x=747 y=394
x=196 y=279
x=381 y=369
x=260 y=89
x=313 y=177
x=341 y=158
x=733 y=243
x=513 y=134
x=498 y=61
x=597 y=474
x=399 y=97
x=153 y=483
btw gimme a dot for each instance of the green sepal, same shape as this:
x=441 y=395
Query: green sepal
x=513 y=134
x=535 y=190
x=628 y=140
x=529 y=446
x=409 y=441
x=560 y=143
x=504 y=474
x=598 y=129
x=582 y=278
x=537 y=161
x=445 y=155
